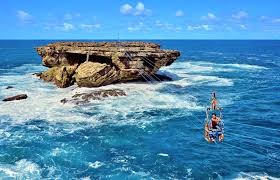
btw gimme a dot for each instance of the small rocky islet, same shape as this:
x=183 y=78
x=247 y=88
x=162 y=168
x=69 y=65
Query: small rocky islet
x=95 y=64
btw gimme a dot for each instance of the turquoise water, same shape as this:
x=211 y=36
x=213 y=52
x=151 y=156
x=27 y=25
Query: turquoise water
x=156 y=131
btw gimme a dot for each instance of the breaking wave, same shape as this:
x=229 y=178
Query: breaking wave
x=253 y=175
x=22 y=169
x=44 y=98
x=208 y=67
x=43 y=101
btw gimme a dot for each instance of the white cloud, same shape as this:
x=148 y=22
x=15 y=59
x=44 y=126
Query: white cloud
x=199 y=27
x=23 y=16
x=138 y=10
x=179 y=13
x=68 y=16
x=229 y=28
x=209 y=16
x=277 y=20
x=162 y=25
x=240 y=15
x=178 y=28
x=67 y=27
x=97 y=25
x=126 y=9
x=132 y=29
x=242 y=26
x=206 y=27
x=158 y=23
x=136 y=27
x=58 y=27
x=263 y=18
x=140 y=7
x=269 y=19
x=89 y=26
x=167 y=26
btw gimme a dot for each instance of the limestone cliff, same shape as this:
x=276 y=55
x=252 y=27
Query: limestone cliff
x=93 y=64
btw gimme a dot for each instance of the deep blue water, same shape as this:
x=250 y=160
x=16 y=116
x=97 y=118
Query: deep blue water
x=156 y=131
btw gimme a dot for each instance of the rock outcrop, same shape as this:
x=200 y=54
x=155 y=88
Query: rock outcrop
x=92 y=64
x=17 y=97
x=84 y=98
x=9 y=87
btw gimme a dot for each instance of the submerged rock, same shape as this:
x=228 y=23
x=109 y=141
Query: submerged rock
x=17 y=97
x=9 y=87
x=98 y=64
x=84 y=98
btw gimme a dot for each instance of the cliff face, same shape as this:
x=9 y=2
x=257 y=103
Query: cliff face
x=97 y=64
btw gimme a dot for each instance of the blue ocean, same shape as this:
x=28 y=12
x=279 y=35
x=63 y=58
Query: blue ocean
x=157 y=130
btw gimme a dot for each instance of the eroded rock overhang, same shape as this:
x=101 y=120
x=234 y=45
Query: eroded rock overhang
x=93 y=64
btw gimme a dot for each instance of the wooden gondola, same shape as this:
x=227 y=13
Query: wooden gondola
x=214 y=134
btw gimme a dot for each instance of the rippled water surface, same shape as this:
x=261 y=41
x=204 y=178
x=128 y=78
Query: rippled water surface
x=156 y=131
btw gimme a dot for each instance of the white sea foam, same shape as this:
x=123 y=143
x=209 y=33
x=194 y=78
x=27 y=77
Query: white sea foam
x=22 y=169
x=196 y=80
x=142 y=174
x=195 y=67
x=253 y=58
x=57 y=151
x=199 y=72
x=245 y=66
x=4 y=134
x=95 y=165
x=163 y=154
x=208 y=67
x=43 y=102
x=189 y=171
x=86 y=178
x=254 y=175
x=213 y=52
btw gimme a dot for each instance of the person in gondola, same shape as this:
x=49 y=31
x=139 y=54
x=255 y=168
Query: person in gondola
x=214 y=102
x=215 y=125
x=214 y=121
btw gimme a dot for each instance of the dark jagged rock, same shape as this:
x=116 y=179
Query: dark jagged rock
x=153 y=78
x=160 y=77
x=17 y=97
x=92 y=64
x=9 y=87
x=84 y=98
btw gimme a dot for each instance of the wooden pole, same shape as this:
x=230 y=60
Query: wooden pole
x=87 y=56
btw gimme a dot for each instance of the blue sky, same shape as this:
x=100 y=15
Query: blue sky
x=145 y=19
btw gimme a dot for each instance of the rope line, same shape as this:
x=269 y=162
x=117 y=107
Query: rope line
x=272 y=142
x=146 y=76
x=250 y=151
x=143 y=73
x=265 y=128
x=252 y=144
x=258 y=146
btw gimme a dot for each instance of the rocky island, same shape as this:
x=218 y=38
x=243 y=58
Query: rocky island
x=94 y=64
